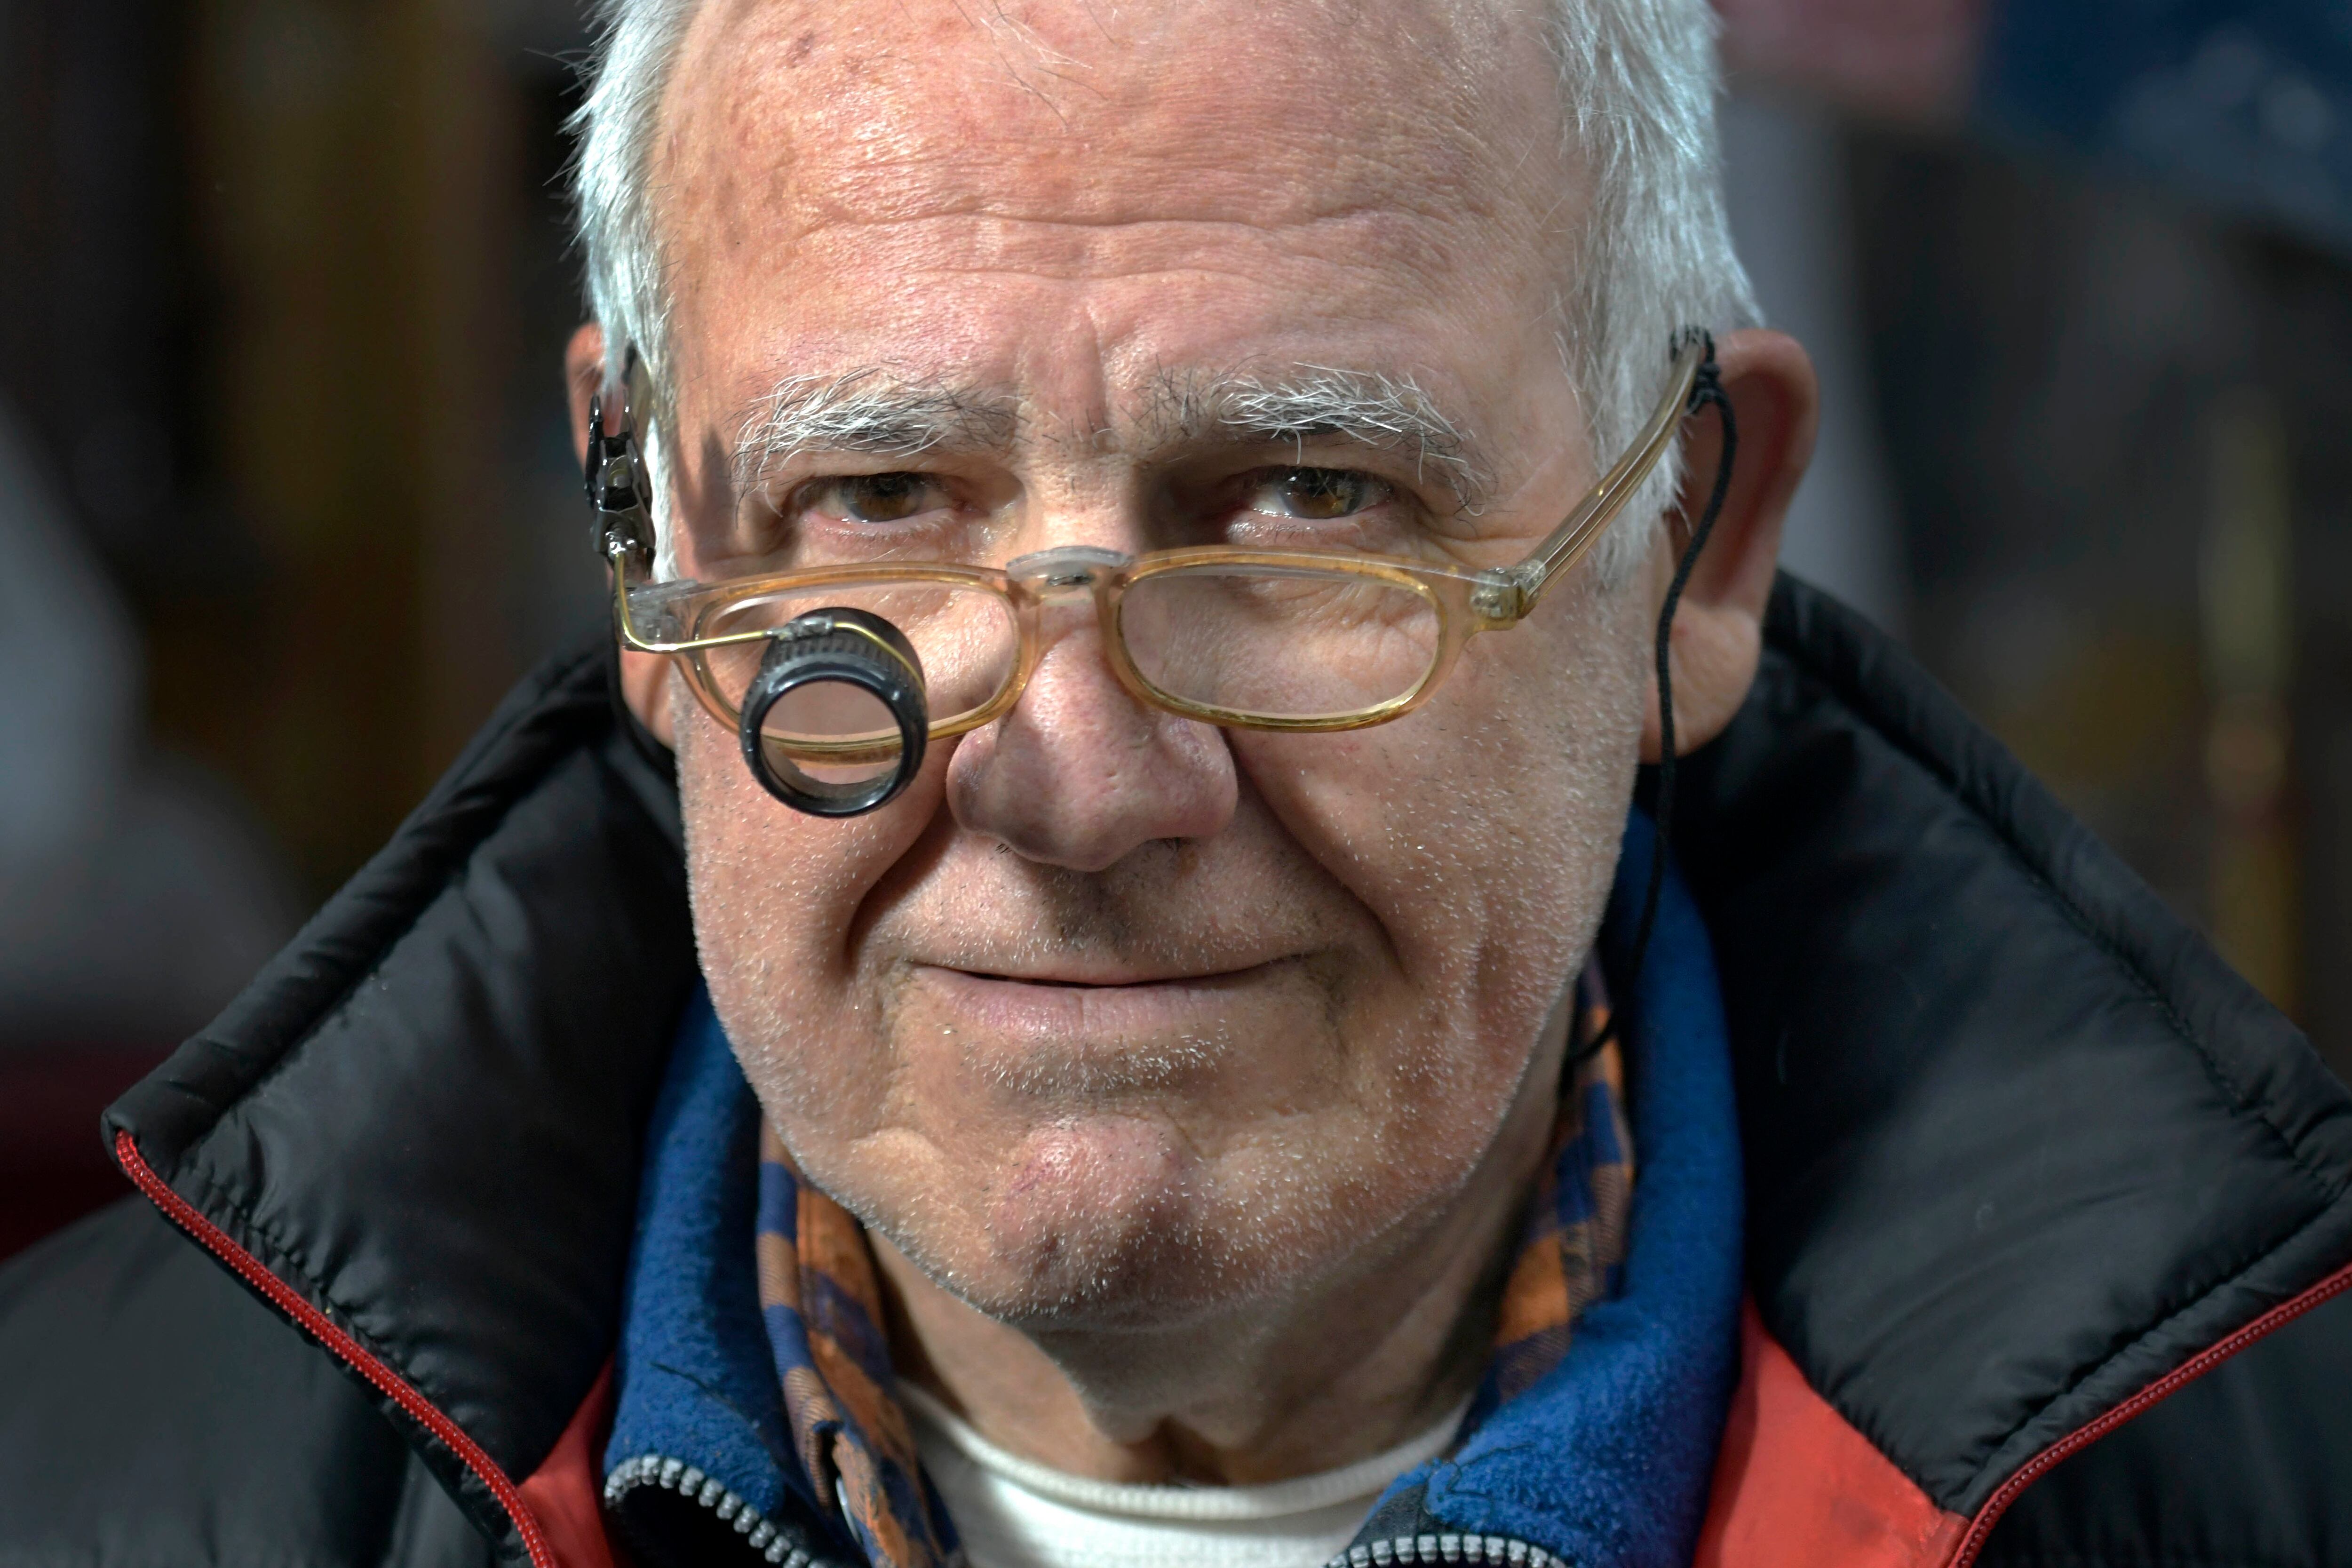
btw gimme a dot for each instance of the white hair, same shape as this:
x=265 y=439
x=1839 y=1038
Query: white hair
x=1639 y=84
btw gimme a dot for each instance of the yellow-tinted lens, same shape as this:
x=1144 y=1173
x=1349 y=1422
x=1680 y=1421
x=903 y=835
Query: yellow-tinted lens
x=1286 y=643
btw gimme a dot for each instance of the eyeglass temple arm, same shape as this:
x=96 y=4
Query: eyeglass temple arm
x=1567 y=545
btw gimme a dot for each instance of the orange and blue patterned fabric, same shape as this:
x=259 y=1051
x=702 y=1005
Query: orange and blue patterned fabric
x=823 y=1307
x=823 y=1311
x=1572 y=1251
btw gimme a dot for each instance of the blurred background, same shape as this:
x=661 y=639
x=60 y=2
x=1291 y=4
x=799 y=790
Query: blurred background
x=287 y=497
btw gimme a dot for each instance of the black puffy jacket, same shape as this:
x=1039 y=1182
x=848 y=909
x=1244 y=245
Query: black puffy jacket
x=2049 y=1213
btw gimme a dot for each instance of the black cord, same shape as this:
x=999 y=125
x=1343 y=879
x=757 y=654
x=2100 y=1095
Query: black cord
x=1707 y=389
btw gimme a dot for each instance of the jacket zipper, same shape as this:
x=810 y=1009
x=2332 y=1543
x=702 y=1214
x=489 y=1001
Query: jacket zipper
x=688 y=1481
x=2171 y=1382
x=1448 y=1547
x=339 y=1341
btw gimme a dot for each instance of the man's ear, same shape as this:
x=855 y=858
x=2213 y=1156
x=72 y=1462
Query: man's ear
x=645 y=687
x=583 y=379
x=644 y=676
x=1718 y=632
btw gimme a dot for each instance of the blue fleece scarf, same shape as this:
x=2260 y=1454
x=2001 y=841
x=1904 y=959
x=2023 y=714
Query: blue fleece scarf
x=1604 y=1460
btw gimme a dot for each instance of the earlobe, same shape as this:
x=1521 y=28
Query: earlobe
x=1717 y=638
x=646 y=688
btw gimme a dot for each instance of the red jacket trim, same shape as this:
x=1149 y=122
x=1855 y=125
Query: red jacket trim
x=1797 y=1486
x=563 y=1492
x=2147 y=1399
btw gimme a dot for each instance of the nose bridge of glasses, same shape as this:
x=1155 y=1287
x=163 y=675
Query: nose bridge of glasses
x=1066 y=588
x=1072 y=570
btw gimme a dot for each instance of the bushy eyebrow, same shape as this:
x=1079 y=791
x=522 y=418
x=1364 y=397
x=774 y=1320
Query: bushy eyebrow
x=877 y=412
x=870 y=411
x=1312 y=402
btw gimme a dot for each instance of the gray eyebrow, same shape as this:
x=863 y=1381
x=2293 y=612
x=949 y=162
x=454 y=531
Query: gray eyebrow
x=869 y=410
x=1392 y=413
x=874 y=411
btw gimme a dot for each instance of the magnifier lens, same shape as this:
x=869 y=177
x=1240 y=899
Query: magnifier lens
x=835 y=722
x=831 y=712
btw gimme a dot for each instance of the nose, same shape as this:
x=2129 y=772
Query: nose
x=1079 y=773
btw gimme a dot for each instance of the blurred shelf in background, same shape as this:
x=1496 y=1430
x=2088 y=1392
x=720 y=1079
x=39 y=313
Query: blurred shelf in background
x=2115 y=427
x=285 y=482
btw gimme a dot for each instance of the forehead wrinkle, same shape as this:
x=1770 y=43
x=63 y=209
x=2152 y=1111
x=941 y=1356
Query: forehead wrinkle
x=902 y=111
x=874 y=411
x=1312 y=401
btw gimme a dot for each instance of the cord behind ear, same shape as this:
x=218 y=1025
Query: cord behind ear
x=1706 y=391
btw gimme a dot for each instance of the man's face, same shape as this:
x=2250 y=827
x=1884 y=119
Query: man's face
x=1114 y=1018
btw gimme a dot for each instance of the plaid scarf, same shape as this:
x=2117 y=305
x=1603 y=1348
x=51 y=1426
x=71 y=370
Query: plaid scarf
x=823 y=1306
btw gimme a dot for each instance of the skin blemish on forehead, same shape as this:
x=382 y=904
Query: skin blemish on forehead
x=1270 y=118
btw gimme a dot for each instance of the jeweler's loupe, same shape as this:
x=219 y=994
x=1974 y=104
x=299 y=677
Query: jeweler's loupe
x=835 y=722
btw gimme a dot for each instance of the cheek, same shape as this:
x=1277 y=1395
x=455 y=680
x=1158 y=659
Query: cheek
x=782 y=901
x=1482 y=830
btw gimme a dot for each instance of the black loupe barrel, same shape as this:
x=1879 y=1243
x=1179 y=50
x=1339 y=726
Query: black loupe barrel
x=835 y=722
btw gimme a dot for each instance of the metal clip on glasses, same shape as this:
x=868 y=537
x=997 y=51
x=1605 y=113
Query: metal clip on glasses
x=831 y=673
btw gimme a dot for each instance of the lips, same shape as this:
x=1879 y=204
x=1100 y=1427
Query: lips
x=1104 y=981
x=1059 y=1008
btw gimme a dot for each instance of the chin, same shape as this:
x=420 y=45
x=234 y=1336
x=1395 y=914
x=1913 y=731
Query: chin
x=1114 y=1223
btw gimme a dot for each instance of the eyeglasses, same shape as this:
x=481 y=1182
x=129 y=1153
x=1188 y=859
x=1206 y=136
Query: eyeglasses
x=1277 y=639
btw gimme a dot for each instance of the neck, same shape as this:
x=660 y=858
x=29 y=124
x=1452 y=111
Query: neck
x=1342 y=1369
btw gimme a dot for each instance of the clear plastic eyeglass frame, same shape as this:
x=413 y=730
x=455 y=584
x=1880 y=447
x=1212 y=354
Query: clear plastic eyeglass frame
x=667 y=617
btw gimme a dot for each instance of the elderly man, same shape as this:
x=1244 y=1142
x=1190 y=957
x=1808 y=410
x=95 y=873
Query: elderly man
x=1169 y=1079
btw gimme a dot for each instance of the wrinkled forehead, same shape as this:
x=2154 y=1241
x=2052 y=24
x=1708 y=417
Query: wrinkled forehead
x=1422 y=125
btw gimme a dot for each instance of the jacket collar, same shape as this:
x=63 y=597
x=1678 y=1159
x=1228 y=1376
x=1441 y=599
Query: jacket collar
x=2017 y=1142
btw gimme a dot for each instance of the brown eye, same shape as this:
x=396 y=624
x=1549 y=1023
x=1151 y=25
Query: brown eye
x=1315 y=495
x=880 y=497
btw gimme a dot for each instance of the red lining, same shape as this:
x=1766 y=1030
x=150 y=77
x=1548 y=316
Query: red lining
x=563 y=1492
x=1796 y=1486
x=2171 y=1382
x=322 y=1328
